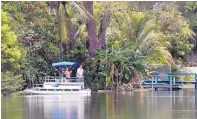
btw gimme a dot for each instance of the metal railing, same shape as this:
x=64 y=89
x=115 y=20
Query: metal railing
x=59 y=79
x=170 y=79
x=62 y=79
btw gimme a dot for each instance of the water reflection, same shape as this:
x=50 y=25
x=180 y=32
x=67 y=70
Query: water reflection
x=146 y=105
x=135 y=105
x=56 y=107
x=11 y=108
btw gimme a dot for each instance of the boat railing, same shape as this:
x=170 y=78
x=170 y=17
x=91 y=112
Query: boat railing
x=63 y=79
x=38 y=85
x=59 y=79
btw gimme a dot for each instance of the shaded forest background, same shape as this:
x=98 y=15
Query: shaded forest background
x=110 y=39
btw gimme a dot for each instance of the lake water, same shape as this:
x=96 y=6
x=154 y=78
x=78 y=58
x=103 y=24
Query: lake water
x=133 y=105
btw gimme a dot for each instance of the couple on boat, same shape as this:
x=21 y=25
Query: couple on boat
x=79 y=74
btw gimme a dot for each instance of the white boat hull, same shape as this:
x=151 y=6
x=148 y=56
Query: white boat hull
x=38 y=92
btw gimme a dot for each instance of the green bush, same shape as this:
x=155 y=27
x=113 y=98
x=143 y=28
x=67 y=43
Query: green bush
x=10 y=83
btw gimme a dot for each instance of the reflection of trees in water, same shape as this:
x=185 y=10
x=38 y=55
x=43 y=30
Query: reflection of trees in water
x=12 y=108
x=56 y=107
x=110 y=104
x=132 y=105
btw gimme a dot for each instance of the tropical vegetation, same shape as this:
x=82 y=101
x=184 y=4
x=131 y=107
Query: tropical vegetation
x=117 y=42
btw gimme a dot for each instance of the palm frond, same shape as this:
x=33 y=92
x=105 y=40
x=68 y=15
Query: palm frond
x=148 y=28
x=82 y=14
x=64 y=24
x=79 y=29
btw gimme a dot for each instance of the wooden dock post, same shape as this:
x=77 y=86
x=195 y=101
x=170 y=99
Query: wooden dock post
x=195 y=80
x=156 y=77
x=169 y=78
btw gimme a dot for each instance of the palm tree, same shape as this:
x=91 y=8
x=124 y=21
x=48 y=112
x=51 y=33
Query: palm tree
x=84 y=11
x=66 y=21
x=136 y=42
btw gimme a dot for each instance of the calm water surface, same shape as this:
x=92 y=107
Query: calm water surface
x=136 y=105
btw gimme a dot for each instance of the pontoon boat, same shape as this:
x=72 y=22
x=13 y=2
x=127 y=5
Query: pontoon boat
x=59 y=85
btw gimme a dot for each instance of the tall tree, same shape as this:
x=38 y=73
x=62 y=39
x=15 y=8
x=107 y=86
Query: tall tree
x=36 y=33
x=104 y=23
x=10 y=52
x=10 y=55
x=93 y=42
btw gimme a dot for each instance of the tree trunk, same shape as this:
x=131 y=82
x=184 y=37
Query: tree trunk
x=56 y=5
x=102 y=30
x=93 y=43
x=136 y=79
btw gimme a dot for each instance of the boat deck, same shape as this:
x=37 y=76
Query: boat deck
x=57 y=86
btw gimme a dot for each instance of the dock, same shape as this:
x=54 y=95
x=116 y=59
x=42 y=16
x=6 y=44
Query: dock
x=164 y=86
x=170 y=82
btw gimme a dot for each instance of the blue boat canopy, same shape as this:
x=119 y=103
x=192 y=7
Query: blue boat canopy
x=73 y=64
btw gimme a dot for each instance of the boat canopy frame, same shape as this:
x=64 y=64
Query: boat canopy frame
x=63 y=64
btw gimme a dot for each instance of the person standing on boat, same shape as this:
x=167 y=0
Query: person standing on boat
x=79 y=73
x=67 y=73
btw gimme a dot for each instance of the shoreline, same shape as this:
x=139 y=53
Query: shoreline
x=187 y=86
x=110 y=91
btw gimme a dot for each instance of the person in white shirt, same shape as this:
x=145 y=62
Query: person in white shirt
x=80 y=72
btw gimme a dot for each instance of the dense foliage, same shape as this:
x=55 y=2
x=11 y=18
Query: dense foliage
x=115 y=41
x=11 y=80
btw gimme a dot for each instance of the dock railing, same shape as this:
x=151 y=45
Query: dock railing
x=171 y=79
